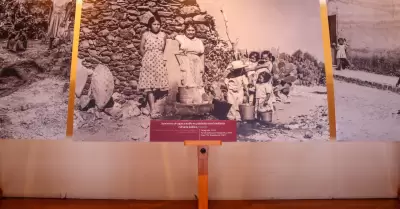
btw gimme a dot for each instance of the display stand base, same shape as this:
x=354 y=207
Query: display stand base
x=202 y=167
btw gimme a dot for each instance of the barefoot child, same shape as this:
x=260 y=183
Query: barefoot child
x=264 y=93
x=237 y=84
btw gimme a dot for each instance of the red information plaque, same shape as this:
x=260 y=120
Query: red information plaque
x=181 y=130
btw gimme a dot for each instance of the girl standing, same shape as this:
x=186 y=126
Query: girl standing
x=254 y=57
x=264 y=93
x=341 y=55
x=153 y=74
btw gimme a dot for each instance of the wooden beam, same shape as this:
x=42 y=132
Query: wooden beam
x=202 y=167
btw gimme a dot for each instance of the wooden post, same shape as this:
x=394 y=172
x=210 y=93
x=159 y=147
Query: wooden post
x=202 y=166
x=398 y=193
x=202 y=184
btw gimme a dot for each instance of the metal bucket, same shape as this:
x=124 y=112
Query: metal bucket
x=186 y=95
x=197 y=95
x=247 y=111
x=266 y=116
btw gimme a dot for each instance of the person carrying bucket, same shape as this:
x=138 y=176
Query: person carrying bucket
x=237 y=83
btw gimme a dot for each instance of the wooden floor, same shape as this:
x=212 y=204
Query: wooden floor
x=129 y=204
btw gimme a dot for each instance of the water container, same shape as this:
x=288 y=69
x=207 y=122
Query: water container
x=247 y=111
x=186 y=95
x=266 y=116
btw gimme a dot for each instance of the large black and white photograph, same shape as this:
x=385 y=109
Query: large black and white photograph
x=365 y=40
x=257 y=62
x=35 y=59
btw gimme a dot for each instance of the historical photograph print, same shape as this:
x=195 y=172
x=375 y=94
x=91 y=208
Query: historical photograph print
x=35 y=59
x=365 y=41
x=256 y=62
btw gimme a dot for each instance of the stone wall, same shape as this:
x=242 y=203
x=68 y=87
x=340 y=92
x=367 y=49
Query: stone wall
x=111 y=33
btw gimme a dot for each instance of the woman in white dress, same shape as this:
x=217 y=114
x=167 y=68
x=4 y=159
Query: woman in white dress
x=191 y=61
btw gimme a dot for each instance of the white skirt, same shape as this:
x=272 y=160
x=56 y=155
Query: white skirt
x=341 y=54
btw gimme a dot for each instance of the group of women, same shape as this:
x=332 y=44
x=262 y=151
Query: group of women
x=154 y=76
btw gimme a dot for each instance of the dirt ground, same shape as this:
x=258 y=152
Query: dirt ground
x=38 y=110
x=37 y=107
x=304 y=119
x=366 y=114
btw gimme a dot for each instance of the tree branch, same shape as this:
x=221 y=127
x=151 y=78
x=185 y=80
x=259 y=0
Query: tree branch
x=227 y=30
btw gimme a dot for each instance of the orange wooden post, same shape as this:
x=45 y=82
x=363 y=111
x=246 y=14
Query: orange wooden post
x=202 y=167
x=202 y=181
x=398 y=193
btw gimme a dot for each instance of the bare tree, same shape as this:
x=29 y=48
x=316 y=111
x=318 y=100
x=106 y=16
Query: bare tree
x=233 y=44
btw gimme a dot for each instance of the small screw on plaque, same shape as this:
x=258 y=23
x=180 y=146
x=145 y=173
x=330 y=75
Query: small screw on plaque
x=203 y=150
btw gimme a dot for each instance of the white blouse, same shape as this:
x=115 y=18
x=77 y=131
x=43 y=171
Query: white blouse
x=190 y=45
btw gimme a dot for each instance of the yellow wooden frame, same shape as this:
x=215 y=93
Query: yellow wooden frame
x=327 y=61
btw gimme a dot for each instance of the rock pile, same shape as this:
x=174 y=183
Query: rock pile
x=100 y=96
x=111 y=32
x=315 y=124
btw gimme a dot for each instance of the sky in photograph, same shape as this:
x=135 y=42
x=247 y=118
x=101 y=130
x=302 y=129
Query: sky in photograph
x=259 y=24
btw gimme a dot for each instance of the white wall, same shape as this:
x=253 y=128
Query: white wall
x=168 y=171
x=368 y=24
